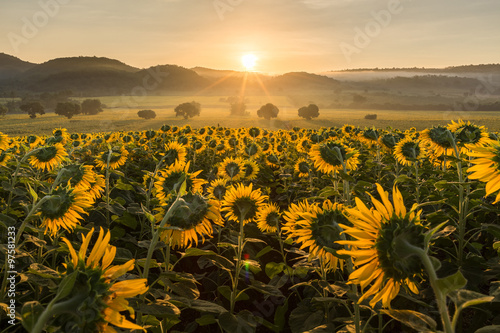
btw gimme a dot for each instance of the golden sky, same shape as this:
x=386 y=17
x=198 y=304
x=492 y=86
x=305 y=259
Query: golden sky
x=285 y=35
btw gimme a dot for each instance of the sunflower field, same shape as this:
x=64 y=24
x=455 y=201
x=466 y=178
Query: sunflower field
x=251 y=230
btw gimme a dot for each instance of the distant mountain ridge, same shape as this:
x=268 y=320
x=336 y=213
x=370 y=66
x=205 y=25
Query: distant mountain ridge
x=98 y=76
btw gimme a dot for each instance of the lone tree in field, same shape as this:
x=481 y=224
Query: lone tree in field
x=91 y=106
x=3 y=110
x=147 y=114
x=309 y=112
x=32 y=108
x=268 y=111
x=238 y=108
x=67 y=109
x=188 y=110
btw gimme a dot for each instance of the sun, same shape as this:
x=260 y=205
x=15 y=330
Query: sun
x=249 y=61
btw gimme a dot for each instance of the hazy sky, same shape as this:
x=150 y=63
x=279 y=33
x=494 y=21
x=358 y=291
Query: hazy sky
x=286 y=35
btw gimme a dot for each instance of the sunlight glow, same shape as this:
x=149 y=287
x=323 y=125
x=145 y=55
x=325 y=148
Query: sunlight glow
x=249 y=61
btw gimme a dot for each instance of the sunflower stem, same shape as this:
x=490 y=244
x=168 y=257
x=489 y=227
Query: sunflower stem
x=462 y=213
x=239 y=265
x=57 y=308
x=32 y=211
x=433 y=279
x=14 y=179
x=108 y=161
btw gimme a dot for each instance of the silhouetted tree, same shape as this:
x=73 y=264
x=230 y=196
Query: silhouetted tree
x=358 y=99
x=268 y=111
x=309 y=112
x=3 y=110
x=147 y=114
x=238 y=108
x=188 y=110
x=32 y=108
x=91 y=106
x=67 y=109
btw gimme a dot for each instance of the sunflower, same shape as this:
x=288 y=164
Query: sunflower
x=268 y=218
x=98 y=186
x=232 y=168
x=193 y=216
x=99 y=298
x=33 y=141
x=293 y=214
x=377 y=257
x=63 y=208
x=4 y=141
x=174 y=152
x=4 y=158
x=118 y=158
x=326 y=156
x=48 y=157
x=389 y=141
x=61 y=135
x=304 y=145
x=369 y=136
x=171 y=178
x=272 y=160
x=318 y=229
x=80 y=176
x=252 y=149
x=302 y=167
x=217 y=188
x=437 y=140
x=409 y=150
x=487 y=167
x=250 y=169
x=242 y=202
x=468 y=136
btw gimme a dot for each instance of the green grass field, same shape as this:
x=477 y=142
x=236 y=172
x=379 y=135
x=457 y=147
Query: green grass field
x=121 y=115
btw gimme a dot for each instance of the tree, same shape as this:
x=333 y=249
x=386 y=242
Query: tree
x=188 y=110
x=67 y=109
x=268 y=111
x=309 y=112
x=3 y=110
x=238 y=108
x=147 y=114
x=32 y=108
x=91 y=106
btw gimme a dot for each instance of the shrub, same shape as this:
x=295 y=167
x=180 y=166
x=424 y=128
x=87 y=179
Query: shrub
x=371 y=116
x=147 y=114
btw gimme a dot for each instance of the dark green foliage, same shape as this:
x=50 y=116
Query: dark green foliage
x=32 y=108
x=91 y=106
x=68 y=109
x=268 y=111
x=147 y=114
x=309 y=112
x=188 y=110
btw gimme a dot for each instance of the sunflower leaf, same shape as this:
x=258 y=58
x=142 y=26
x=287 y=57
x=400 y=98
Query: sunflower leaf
x=413 y=319
x=66 y=285
x=430 y=233
x=451 y=283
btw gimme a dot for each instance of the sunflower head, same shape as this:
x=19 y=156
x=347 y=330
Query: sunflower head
x=232 y=168
x=48 y=157
x=332 y=156
x=218 y=188
x=63 y=209
x=468 y=135
x=241 y=203
x=302 y=167
x=409 y=150
x=384 y=237
x=268 y=218
x=96 y=298
x=192 y=216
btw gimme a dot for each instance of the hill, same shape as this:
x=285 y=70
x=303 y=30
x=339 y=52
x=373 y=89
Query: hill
x=11 y=67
